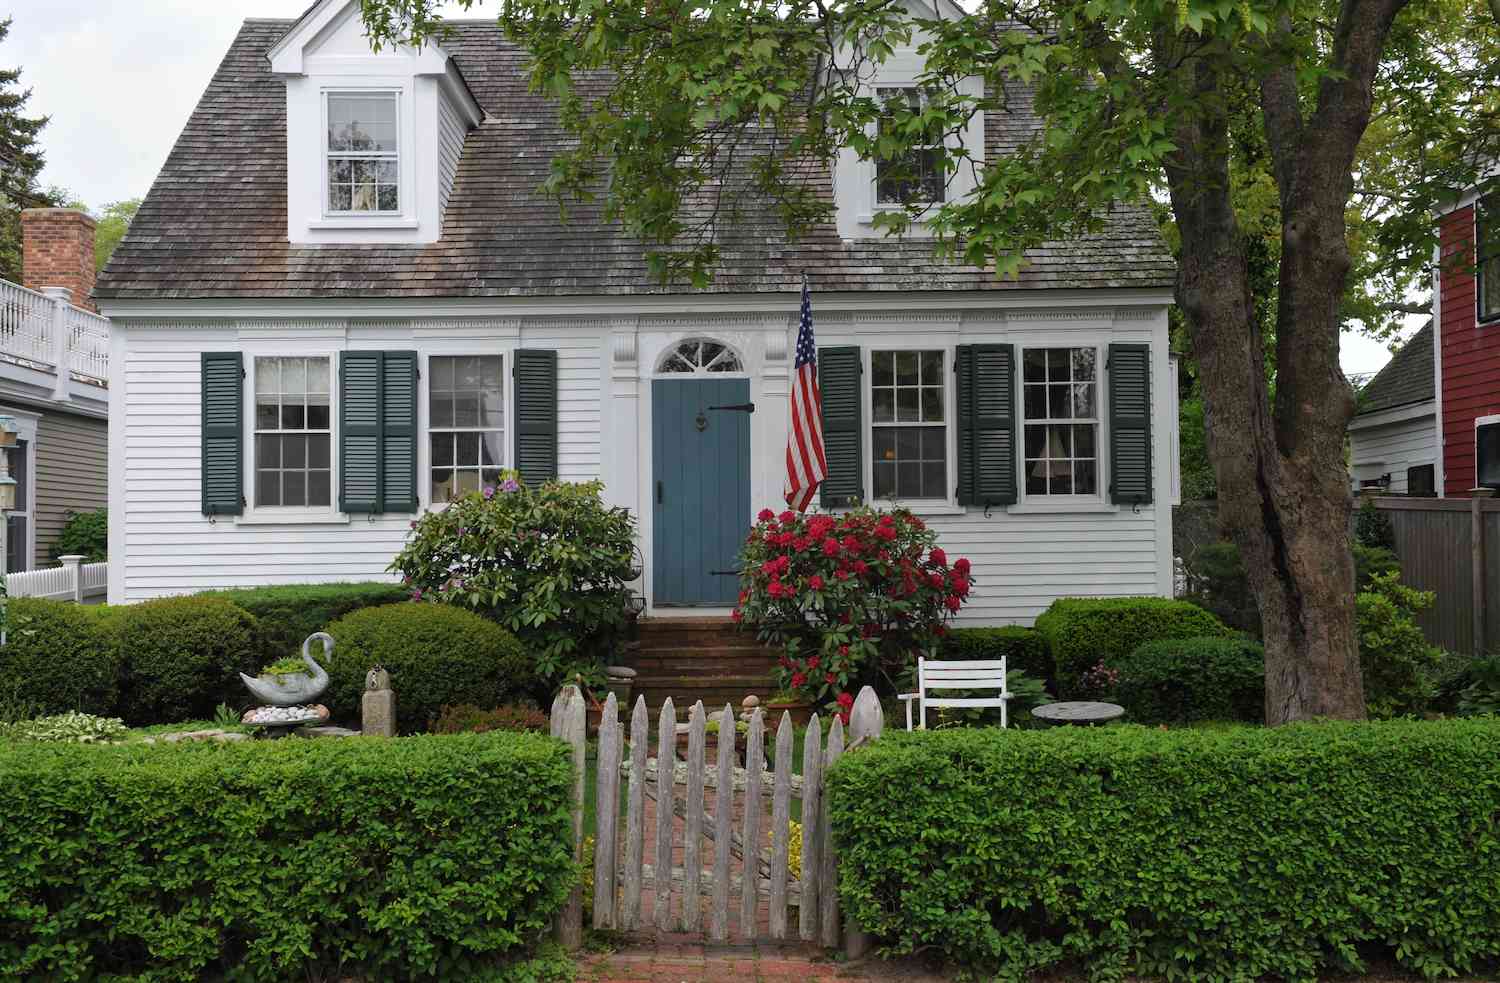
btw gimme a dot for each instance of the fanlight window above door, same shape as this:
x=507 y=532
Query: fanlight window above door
x=699 y=355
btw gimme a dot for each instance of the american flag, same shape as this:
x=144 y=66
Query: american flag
x=805 y=465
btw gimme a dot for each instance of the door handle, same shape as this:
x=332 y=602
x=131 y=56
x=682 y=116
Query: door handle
x=658 y=493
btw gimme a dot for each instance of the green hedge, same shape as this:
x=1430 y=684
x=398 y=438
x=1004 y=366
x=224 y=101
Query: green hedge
x=1186 y=679
x=415 y=858
x=55 y=659
x=288 y=613
x=1083 y=632
x=437 y=654
x=1187 y=854
x=182 y=656
x=1024 y=648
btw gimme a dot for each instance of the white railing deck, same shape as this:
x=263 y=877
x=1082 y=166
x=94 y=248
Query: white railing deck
x=33 y=334
x=73 y=581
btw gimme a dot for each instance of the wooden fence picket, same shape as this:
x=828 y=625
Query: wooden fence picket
x=755 y=754
x=828 y=894
x=866 y=722
x=812 y=788
x=606 y=808
x=666 y=806
x=635 y=816
x=718 y=922
x=692 y=863
x=569 y=724
x=781 y=814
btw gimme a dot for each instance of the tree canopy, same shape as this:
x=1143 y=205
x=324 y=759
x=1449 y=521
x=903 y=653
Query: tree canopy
x=21 y=161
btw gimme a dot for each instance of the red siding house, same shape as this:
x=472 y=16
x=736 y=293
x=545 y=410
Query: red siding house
x=1467 y=311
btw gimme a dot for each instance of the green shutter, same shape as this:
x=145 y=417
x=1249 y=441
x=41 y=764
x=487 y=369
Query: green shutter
x=359 y=431
x=839 y=371
x=986 y=397
x=378 y=432
x=1129 y=424
x=223 y=384
x=398 y=432
x=535 y=375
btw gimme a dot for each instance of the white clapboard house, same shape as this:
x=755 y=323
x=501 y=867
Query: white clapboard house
x=343 y=302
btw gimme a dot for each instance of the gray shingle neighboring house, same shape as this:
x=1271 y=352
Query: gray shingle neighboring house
x=325 y=324
x=1393 y=437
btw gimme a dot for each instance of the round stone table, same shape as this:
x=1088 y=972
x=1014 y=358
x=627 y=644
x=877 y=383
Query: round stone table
x=1083 y=712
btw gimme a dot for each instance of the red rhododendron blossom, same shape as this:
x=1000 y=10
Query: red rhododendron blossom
x=830 y=547
x=814 y=662
x=788 y=516
x=844 y=717
x=954 y=602
x=736 y=615
x=798 y=680
x=815 y=582
x=962 y=565
x=843 y=650
x=765 y=515
x=960 y=586
x=936 y=581
x=843 y=573
x=861 y=567
x=846 y=700
x=830 y=679
x=939 y=557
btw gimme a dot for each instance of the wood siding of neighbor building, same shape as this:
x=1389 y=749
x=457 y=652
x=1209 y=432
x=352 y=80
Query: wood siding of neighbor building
x=1470 y=353
x=1023 y=557
x=72 y=474
x=1379 y=445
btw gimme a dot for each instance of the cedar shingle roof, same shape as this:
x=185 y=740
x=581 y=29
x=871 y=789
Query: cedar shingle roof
x=214 y=222
x=1407 y=378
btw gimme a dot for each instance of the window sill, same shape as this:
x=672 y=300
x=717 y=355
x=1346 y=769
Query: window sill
x=1056 y=508
x=356 y=222
x=292 y=517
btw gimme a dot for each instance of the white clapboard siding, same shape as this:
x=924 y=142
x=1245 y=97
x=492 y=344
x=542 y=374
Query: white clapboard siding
x=170 y=547
x=450 y=146
x=1377 y=449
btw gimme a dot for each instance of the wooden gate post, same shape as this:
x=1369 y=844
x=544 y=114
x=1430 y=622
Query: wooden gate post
x=1476 y=560
x=568 y=724
x=866 y=722
x=607 y=811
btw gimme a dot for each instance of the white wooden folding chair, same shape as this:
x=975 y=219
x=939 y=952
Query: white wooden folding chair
x=968 y=675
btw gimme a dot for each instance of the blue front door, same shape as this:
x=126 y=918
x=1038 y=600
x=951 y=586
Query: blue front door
x=700 y=471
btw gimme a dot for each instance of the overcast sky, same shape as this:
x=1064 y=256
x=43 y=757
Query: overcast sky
x=120 y=77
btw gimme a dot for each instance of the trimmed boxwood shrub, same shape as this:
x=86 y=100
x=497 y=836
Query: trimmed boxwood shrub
x=288 y=613
x=56 y=659
x=1185 y=854
x=182 y=656
x=1185 y=679
x=1025 y=648
x=1083 y=632
x=425 y=857
x=437 y=655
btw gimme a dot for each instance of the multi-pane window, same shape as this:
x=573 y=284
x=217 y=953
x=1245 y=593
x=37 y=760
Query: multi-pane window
x=915 y=175
x=1060 y=400
x=364 y=168
x=1489 y=258
x=293 y=432
x=909 y=433
x=466 y=423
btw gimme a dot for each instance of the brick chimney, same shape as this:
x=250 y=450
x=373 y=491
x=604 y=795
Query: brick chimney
x=57 y=250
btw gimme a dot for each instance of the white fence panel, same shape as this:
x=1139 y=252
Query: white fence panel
x=73 y=581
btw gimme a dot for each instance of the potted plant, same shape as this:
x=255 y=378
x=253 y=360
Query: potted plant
x=787 y=701
x=711 y=741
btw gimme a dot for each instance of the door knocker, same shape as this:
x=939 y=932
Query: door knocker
x=701 y=422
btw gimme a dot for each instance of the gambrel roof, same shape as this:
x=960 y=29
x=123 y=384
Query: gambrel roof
x=214 y=224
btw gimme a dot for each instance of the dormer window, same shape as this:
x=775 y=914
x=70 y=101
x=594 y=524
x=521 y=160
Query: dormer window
x=916 y=176
x=363 y=154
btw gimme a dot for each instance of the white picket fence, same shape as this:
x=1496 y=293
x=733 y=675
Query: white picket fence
x=73 y=581
x=742 y=865
x=50 y=334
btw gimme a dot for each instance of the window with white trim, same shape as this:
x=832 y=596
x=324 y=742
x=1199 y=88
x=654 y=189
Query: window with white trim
x=916 y=175
x=1487 y=227
x=465 y=423
x=363 y=165
x=909 y=429
x=293 y=432
x=1060 y=407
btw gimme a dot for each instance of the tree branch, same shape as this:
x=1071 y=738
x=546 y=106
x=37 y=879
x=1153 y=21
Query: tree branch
x=1410 y=308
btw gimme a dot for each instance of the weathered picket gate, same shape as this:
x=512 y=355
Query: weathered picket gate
x=747 y=874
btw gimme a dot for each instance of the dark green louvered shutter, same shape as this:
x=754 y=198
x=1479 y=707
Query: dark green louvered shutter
x=223 y=433
x=378 y=432
x=839 y=371
x=398 y=432
x=1129 y=424
x=535 y=375
x=986 y=397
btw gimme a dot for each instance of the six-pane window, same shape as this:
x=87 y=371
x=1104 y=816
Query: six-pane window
x=363 y=164
x=916 y=175
x=1489 y=258
x=466 y=423
x=909 y=435
x=292 y=432
x=1060 y=402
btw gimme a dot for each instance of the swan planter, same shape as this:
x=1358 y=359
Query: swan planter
x=289 y=698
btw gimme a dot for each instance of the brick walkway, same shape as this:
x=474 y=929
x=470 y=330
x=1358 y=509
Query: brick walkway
x=659 y=961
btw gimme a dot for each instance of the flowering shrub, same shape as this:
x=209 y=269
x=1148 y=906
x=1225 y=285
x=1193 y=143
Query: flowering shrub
x=851 y=598
x=548 y=563
x=1098 y=682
